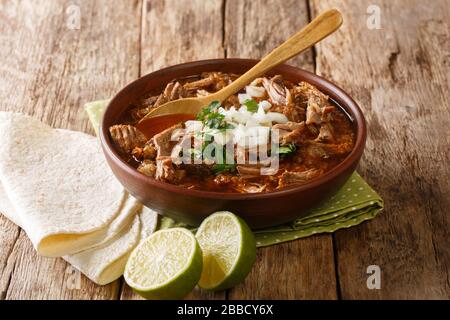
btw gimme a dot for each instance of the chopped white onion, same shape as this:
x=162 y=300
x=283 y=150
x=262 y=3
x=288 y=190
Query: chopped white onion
x=251 y=122
x=242 y=115
x=258 y=131
x=251 y=119
x=251 y=129
x=266 y=105
x=193 y=126
x=243 y=97
x=255 y=91
x=223 y=137
x=260 y=117
x=250 y=137
x=276 y=117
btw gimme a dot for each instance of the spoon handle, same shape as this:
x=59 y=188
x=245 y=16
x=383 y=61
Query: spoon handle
x=322 y=26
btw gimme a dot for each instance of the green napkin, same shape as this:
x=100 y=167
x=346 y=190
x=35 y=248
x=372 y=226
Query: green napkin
x=354 y=203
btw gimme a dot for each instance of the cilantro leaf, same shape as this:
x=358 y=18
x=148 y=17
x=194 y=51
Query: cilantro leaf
x=215 y=120
x=287 y=150
x=223 y=167
x=211 y=108
x=252 y=105
x=212 y=118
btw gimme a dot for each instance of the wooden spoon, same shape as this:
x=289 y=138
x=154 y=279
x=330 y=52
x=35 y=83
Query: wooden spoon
x=316 y=30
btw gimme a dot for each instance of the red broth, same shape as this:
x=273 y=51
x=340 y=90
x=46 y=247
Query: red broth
x=315 y=148
x=151 y=126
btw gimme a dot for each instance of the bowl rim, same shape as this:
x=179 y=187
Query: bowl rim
x=355 y=113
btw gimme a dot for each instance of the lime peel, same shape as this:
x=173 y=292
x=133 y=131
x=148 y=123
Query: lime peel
x=229 y=250
x=166 y=265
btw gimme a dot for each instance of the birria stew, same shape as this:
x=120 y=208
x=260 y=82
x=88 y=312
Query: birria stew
x=271 y=135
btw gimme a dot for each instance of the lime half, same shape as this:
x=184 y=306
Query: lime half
x=229 y=250
x=166 y=265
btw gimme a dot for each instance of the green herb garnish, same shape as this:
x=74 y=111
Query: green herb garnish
x=252 y=105
x=216 y=120
x=212 y=118
x=287 y=150
x=223 y=167
x=211 y=108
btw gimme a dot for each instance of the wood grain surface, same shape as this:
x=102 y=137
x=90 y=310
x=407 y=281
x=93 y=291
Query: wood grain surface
x=399 y=74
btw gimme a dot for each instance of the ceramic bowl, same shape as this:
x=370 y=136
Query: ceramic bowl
x=259 y=210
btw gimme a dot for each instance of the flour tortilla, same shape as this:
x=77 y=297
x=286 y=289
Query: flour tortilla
x=55 y=184
x=65 y=195
x=7 y=208
x=104 y=263
x=149 y=222
x=130 y=207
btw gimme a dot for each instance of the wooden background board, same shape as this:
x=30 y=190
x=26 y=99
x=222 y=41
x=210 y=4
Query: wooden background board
x=399 y=74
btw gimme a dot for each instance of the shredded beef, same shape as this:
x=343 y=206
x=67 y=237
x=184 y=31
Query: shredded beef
x=126 y=137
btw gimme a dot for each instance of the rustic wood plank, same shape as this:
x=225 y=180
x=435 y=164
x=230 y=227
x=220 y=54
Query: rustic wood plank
x=174 y=32
x=400 y=75
x=49 y=68
x=302 y=269
x=252 y=29
x=9 y=234
x=37 y=277
x=126 y=293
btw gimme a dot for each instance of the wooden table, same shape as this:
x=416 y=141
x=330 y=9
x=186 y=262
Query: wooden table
x=51 y=64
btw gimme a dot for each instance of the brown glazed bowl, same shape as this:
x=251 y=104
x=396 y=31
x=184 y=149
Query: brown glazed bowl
x=192 y=206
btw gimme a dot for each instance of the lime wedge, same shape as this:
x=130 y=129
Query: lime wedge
x=166 y=265
x=229 y=250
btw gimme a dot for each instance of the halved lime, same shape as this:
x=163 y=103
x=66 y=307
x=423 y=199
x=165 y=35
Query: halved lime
x=229 y=250
x=166 y=265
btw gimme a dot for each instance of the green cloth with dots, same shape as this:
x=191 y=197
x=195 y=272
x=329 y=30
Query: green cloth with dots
x=354 y=203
